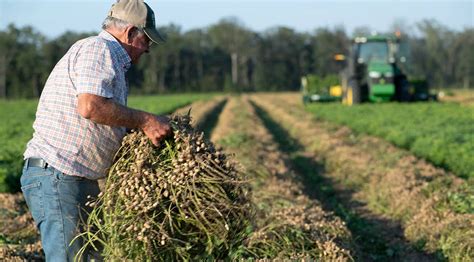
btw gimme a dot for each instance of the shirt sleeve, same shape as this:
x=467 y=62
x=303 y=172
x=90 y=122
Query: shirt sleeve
x=93 y=70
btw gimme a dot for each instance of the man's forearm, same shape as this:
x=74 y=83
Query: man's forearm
x=105 y=111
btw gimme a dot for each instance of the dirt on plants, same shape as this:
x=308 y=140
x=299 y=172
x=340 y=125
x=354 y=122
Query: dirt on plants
x=413 y=204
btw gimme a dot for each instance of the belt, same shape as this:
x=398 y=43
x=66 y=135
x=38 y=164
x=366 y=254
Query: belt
x=35 y=162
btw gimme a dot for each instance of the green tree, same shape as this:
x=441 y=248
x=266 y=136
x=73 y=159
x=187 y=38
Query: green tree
x=463 y=57
x=232 y=37
x=8 y=47
x=279 y=64
x=436 y=41
x=25 y=63
x=326 y=44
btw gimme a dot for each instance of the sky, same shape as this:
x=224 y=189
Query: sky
x=54 y=17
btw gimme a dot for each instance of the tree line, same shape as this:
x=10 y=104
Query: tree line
x=229 y=57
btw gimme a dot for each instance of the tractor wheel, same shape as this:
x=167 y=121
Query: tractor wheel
x=403 y=90
x=353 y=93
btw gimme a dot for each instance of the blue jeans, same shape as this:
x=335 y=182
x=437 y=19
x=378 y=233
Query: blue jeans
x=57 y=204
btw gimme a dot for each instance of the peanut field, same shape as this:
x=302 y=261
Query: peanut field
x=373 y=182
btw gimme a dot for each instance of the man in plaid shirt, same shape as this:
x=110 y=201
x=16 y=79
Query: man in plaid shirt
x=80 y=122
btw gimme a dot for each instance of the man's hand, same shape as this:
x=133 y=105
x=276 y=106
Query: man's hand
x=156 y=128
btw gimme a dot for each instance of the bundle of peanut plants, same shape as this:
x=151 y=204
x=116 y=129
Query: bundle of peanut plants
x=183 y=200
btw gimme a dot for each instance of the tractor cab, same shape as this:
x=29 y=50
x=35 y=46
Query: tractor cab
x=374 y=72
x=371 y=73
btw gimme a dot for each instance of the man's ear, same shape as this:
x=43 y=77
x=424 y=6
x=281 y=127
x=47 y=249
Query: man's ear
x=130 y=33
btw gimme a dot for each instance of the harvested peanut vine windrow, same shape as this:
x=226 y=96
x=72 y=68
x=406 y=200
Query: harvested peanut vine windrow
x=182 y=200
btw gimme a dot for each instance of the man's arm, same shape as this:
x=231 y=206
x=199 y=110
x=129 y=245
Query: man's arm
x=105 y=111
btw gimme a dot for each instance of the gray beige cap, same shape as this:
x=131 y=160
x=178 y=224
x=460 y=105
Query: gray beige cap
x=139 y=14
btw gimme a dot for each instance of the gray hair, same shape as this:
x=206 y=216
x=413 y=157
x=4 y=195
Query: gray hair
x=117 y=24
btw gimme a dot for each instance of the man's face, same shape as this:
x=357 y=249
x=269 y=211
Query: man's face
x=138 y=44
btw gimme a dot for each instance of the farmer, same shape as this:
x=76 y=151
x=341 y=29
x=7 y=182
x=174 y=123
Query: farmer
x=80 y=122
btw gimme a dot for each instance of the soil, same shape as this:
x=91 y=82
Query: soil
x=19 y=238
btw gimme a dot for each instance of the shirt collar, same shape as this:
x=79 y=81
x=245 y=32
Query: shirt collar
x=122 y=55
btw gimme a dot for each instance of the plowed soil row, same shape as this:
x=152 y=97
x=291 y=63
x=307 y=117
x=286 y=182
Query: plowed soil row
x=278 y=193
x=405 y=199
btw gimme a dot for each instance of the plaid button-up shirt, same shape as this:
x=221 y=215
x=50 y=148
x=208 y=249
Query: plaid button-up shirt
x=63 y=138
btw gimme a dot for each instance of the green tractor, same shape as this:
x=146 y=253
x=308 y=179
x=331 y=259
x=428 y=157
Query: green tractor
x=373 y=73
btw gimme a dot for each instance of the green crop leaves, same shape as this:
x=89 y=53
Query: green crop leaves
x=442 y=133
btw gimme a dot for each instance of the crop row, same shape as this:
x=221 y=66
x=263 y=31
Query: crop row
x=17 y=120
x=442 y=133
x=433 y=209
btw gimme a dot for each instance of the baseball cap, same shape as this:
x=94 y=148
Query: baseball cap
x=139 y=14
